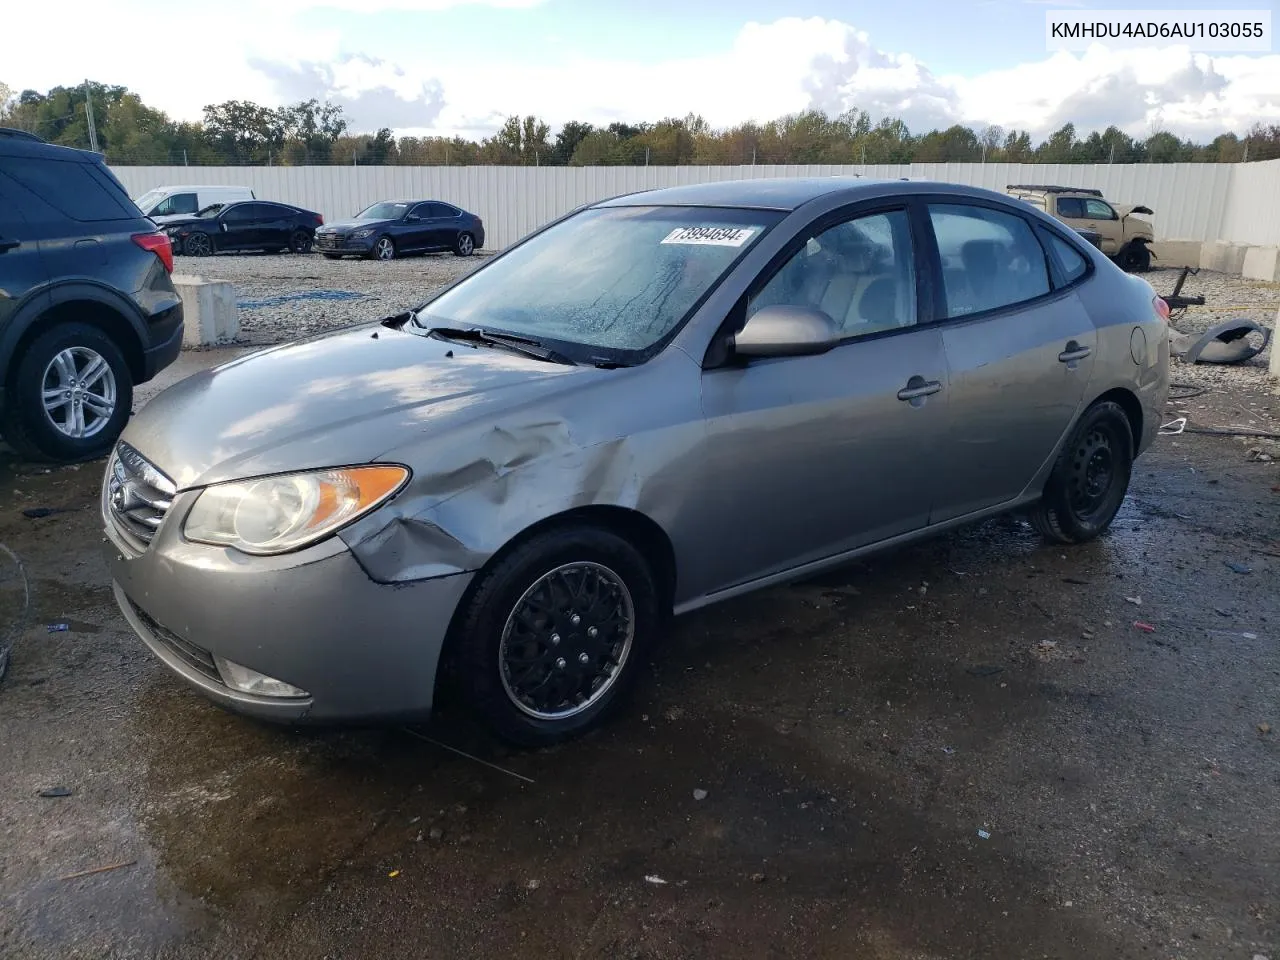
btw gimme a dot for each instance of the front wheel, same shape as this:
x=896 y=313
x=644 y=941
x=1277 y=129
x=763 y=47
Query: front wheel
x=384 y=249
x=198 y=245
x=553 y=636
x=1089 y=481
x=70 y=396
x=465 y=245
x=1135 y=258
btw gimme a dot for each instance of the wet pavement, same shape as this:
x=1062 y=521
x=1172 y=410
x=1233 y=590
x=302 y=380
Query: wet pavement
x=961 y=749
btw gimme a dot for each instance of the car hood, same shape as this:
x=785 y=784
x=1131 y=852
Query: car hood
x=342 y=226
x=340 y=398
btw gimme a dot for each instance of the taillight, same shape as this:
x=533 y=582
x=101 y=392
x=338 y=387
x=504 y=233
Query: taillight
x=158 y=244
x=1162 y=308
x=319 y=220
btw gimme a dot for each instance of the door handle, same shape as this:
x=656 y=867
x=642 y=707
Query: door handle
x=1073 y=353
x=8 y=244
x=917 y=388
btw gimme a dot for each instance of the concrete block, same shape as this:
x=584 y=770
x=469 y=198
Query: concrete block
x=1261 y=263
x=209 y=311
x=1274 y=367
x=1223 y=257
x=1177 y=253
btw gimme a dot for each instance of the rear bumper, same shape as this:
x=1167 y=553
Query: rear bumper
x=165 y=344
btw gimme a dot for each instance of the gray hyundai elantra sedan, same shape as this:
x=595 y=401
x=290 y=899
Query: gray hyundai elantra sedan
x=654 y=403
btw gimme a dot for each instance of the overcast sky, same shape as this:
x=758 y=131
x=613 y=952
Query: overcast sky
x=459 y=66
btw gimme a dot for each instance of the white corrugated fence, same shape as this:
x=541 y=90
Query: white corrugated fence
x=1238 y=203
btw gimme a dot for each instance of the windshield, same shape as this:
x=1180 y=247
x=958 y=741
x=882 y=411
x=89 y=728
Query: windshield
x=616 y=278
x=383 y=211
x=211 y=210
x=149 y=200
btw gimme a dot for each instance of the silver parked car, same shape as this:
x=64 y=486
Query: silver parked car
x=655 y=403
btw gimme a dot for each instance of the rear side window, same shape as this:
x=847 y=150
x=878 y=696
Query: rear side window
x=69 y=187
x=1071 y=207
x=442 y=210
x=990 y=259
x=1070 y=261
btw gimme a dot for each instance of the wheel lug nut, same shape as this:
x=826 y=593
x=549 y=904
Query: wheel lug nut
x=592 y=631
x=575 y=619
x=555 y=639
x=583 y=658
x=560 y=664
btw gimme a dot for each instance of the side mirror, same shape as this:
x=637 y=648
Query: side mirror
x=786 y=331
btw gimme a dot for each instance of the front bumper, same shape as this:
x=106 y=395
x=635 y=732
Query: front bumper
x=324 y=243
x=363 y=651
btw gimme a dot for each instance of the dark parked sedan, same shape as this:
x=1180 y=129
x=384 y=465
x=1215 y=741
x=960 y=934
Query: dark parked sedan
x=250 y=225
x=394 y=228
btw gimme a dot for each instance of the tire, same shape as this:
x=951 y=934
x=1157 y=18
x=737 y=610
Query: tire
x=489 y=626
x=198 y=244
x=1135 y=258
x=465 y=245
x=36 y=432
x=300 y=242
x=1078 y=505
x=384 y=248
x=332 y=256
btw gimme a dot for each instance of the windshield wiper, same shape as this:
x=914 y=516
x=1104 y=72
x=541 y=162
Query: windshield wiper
x=508 y=341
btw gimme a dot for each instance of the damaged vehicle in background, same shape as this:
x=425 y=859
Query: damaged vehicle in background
x=655 y=403
x=1118 y=230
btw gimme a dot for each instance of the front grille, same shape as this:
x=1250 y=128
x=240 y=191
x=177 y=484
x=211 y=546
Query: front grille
x=136 y=496
x=197 y=658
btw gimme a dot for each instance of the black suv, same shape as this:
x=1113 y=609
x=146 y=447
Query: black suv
x=87 y=306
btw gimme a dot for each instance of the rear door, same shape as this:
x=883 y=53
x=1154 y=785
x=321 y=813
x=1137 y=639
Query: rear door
x=275 y=224
x=1019 y=347
x=444 y=226
x=21 y=266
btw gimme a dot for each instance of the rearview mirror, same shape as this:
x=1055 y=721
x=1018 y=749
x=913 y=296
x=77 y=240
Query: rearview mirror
x=786 y=331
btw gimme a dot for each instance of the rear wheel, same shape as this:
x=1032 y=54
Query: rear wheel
x=1090 y=479
x=553 y=636
x=300 y=242
x=465 y=245
x=70 y=396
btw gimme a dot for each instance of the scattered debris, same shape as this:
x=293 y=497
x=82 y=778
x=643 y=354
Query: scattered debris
x=1237 y=567
x=1225 y=342
x=436 y=834
x=1249 y=636
x=1264 y=728
x=51 y=792
x=699 y=794
x=1144 y=627
x=1076 y=580
x=461 y=753
x=1136 y=601
x=985 y=670
x=394 y=873
x=655 y=880
x=985 y=835
x=1173 y=427
x=533 y=885
x=948 y=750
x=58 y=627
x=1223 y=613
x=1258 y=455
x=39 y=513
x=758 y=878
x=108 y=867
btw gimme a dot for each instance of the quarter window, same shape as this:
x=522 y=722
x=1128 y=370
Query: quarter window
x=1069 y=259
x=990 y=259
x=860 y=273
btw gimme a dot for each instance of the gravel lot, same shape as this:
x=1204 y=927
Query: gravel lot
x=286 y=296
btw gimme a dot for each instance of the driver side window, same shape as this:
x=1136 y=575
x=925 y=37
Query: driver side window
x=859 y=272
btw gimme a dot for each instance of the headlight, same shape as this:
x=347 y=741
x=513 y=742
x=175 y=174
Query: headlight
x=279 y=514
x=361 y=234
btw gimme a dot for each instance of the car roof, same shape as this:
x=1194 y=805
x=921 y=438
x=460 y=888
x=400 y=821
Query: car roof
x=20 y=144
x=198 y=186
x=788 y=193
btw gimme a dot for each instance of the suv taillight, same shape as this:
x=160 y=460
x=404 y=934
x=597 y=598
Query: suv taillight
x=1162 y=308
x=158 y=244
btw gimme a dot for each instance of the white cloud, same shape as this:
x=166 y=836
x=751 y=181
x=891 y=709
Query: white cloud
x=764 y=71
x=433 y=6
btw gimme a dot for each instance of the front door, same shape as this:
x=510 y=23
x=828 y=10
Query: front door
x=239 y=227
x=814 y=456
x=1019 y=347
x=418 y=224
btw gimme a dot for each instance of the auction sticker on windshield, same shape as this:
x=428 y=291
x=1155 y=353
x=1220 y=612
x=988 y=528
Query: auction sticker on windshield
x=713 y=236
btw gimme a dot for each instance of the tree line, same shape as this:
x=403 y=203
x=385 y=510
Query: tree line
x=239 y=132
